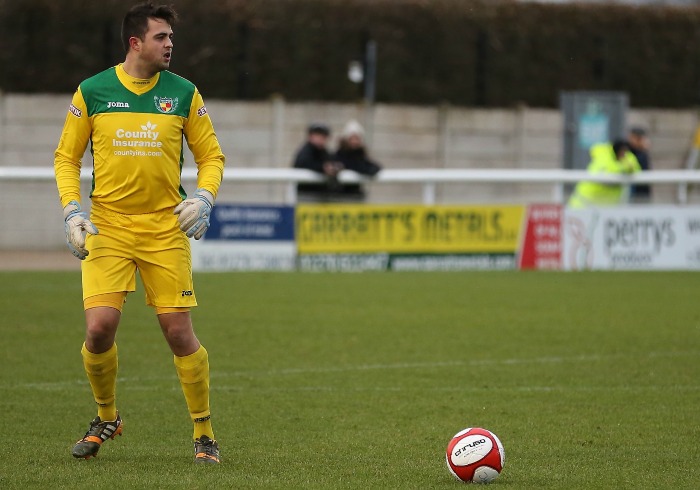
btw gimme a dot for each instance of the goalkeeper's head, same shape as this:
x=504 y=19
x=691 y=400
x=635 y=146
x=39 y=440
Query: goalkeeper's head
x=135 y=23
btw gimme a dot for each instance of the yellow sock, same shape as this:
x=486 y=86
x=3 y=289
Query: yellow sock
x=193 y=372
x=101 y=371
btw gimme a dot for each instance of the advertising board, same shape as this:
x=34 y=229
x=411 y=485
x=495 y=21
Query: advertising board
x=247 y=238
x=631 y=238
x=407 y=237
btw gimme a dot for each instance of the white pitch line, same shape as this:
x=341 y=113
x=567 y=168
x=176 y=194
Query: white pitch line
x=62 y=385
x=440 y=364
x=462 y=389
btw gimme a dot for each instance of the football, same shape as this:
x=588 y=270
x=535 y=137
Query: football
x=475 y=455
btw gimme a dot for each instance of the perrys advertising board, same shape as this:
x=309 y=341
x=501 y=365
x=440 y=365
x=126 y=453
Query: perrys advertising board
x=631 y=238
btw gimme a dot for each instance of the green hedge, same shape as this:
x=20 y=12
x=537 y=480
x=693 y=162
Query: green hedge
x=466 y=52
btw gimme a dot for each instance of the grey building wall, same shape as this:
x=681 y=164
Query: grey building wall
x=267 y=134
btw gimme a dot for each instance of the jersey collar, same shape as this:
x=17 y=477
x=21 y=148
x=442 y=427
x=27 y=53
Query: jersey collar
x=139 y=86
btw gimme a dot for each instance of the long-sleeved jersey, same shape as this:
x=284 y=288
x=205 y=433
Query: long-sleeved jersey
x=135 y=128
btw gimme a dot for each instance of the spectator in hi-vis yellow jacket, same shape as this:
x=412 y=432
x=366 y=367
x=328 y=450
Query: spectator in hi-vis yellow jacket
x=606 y=158
x=135 y=116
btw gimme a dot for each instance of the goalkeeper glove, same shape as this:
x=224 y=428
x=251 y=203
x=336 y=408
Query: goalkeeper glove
x=77 y=225
x=193 y=214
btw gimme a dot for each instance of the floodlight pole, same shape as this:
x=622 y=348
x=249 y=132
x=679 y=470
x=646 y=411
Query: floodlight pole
x=370 y=71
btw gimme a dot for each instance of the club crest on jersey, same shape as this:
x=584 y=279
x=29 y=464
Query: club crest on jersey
x=166 y=105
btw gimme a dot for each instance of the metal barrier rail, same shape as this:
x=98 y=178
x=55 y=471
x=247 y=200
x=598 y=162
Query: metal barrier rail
x=428 y=178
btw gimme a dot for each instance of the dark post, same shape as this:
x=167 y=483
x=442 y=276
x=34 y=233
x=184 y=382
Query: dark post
x=370 y=71
x=242 y=62
x=482 y=41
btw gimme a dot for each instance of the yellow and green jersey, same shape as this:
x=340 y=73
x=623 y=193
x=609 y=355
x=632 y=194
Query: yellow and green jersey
x=135 y=128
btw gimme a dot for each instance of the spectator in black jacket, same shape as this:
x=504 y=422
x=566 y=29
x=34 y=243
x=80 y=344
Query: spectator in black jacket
x=352 y=155
x=313 y=155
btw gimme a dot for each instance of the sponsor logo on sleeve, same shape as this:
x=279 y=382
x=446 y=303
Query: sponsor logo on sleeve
x=75 y=111
x=202 y=111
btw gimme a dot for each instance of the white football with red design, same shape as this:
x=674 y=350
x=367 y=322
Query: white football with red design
x=475 y=455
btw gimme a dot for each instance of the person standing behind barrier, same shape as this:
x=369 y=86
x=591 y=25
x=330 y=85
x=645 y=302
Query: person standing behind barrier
x=352 y=155
x=606 y=158
x=639 y=146
x=313 y=155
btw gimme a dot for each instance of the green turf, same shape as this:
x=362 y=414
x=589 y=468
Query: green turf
x=591 y=380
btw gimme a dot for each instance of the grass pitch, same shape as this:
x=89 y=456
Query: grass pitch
x=591 y=380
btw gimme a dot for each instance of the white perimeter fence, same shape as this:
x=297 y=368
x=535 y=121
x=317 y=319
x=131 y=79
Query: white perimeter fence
x=427 y=178
x=32 y=217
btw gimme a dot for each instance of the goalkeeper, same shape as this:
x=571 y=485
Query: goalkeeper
x=135 y=115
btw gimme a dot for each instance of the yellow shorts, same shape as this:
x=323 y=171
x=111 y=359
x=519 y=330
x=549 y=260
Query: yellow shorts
x=150 y=243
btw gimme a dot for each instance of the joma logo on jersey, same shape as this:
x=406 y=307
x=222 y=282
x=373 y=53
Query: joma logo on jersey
x=165 y=105
x=122 y=105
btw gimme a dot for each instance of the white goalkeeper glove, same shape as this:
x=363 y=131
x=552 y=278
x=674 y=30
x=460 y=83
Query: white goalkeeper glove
x=193 y=213
x=77 y=226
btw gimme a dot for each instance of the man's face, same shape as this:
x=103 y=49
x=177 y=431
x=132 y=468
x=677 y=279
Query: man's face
x=157 y=45
x=319 y=140
x=638 y=141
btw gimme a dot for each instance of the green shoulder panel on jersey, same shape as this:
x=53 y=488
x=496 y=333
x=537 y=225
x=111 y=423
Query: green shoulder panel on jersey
x=101 y=89
x=104 y=92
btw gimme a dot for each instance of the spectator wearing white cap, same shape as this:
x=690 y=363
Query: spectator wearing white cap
x=352 y=155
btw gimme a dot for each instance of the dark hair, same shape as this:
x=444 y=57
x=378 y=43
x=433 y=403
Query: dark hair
x=619 y=145
x=638 y=131
x=318 y=128
x=135 y=22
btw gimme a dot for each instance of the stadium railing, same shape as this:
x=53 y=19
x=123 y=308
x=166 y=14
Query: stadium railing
x=428 y=178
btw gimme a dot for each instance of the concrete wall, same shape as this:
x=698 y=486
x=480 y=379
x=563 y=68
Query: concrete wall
x=267 y=134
